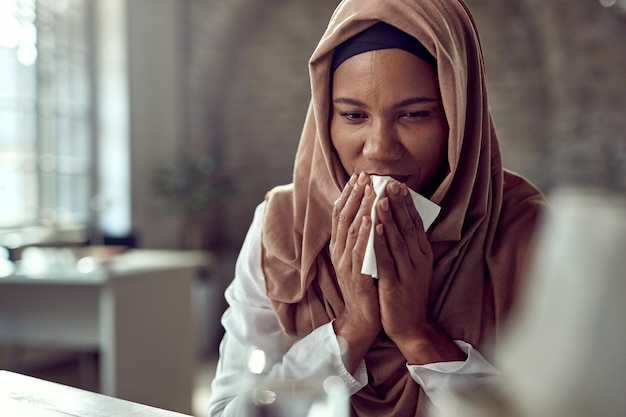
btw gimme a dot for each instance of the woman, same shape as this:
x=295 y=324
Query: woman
x=398 y=90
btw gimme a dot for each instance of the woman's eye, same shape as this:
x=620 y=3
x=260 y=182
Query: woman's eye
x=417 y=114
x=352 y=116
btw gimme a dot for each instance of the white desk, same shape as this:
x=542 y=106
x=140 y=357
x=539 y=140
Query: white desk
x=136 y=312
x=24 y=396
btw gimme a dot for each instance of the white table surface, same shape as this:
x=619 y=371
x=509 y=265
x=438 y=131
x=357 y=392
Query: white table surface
x=24 y=396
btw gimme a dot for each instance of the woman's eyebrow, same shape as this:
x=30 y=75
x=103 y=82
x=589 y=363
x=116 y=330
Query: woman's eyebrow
x=416 y=100
x=351 y=101
x=402 y=103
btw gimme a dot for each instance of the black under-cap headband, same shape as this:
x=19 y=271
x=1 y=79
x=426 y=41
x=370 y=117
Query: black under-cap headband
x=380 y=36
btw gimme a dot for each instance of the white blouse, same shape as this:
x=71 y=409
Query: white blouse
x=250 y=323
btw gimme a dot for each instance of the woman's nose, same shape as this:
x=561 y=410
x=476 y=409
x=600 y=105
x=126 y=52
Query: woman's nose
x=382 y=144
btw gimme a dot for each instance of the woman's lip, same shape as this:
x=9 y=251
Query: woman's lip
x=399 y=178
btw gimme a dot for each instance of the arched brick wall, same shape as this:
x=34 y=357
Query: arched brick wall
x=250 y=91
x=555 y=80
x=556 y=73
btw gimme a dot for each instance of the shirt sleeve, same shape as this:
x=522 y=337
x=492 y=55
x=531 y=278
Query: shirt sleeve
x=442 y=379
x=250 y=323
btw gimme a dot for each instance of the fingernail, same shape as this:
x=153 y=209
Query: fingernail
x=395 y=188
x=368 y=190
x=352 y=179
x=362 y=178
x=384 y=203
x=365 y=222
x=405 y=190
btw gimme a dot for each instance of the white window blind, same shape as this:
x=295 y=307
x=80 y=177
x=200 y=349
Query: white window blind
x=46 y=129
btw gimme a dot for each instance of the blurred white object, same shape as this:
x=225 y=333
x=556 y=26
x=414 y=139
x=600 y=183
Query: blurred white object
x=327 y=397
x=564 y=355
x=319 y=396
x=6 y=266
x=38 y=261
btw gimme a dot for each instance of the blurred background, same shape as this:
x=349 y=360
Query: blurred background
x=160 y=124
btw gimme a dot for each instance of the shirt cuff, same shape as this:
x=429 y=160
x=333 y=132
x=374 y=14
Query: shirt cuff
x=444 y=378
x=353 y=382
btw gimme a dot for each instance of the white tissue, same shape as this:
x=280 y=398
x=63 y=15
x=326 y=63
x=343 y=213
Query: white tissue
x=427 y=210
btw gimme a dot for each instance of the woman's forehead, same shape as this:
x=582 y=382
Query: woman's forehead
x=393 y=70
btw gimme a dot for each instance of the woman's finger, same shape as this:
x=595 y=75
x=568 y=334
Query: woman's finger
x=347 y=212
x=407 y=221
x=338 y=216
x=358 y=251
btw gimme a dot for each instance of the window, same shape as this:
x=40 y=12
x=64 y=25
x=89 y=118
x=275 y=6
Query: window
x=46 y=113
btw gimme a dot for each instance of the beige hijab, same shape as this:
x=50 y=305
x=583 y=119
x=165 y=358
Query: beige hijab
x=479 y=241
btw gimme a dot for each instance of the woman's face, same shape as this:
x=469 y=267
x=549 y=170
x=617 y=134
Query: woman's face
x=387 y=118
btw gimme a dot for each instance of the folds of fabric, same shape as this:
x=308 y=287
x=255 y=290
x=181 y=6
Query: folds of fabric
x=479 y=240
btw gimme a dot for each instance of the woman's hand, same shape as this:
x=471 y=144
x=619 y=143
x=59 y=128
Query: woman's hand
x=359 y=323
x=405 y=269
x=404 y=259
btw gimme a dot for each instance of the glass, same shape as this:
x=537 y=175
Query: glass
x=312 y=398
x=319 y=396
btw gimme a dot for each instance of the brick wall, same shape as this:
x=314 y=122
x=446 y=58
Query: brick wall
x=557 y=86
x=555 y=79
x=249 y=90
